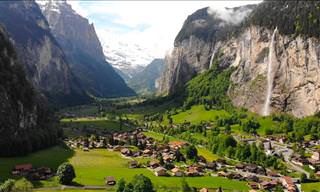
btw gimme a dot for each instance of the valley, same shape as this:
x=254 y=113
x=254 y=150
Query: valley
x=94 y=98
x=87 y=127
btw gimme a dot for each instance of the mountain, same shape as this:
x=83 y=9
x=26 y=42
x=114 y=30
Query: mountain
x=39 y=52
x=273 y=55
x=26 y=124
x=128 y=57
x=197 y=41
x=83 y=50
x=144 y=82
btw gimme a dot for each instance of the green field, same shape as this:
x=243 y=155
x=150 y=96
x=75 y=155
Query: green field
x=197 y=114
x=92 y=167
x=308 y=187
x=77 y=126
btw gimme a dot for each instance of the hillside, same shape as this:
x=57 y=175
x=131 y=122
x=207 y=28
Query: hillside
x=43 y=59
x=83 y=50
x=26 y=123
x=144 y=82
x=274 y=51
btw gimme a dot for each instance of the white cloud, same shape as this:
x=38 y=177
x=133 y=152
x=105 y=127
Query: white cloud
x=162 y=18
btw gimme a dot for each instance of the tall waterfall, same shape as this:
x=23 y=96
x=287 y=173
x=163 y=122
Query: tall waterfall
x=270 y=77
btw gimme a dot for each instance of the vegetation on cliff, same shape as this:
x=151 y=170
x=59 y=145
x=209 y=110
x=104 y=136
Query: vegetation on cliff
x=26 y=124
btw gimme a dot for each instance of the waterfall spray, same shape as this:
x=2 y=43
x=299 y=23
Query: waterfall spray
x=270 y=76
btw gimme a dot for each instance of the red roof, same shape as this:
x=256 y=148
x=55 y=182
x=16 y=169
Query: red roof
x=288 y=180
x=24 y=167
x=177 y=143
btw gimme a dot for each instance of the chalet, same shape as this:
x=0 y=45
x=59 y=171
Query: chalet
x=147 y=152
x=193 y=171
x=177 y=172
x=272 y=174
x=110 y=180
x=154 y=164
x=211 y=166
x=251 y=168
x=126 y=152
x=204 y=190
x=316 y=156
x=240 y=166
x=23 y=167
x=288 y=183
x=167 y=158
x=160 y=171
x=133 y=164
x=177 y=144
x=222 y=174
x=253 y=185
x=266 y=185
x=252 y=178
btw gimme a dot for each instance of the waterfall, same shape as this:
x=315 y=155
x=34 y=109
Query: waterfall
x=270 y=76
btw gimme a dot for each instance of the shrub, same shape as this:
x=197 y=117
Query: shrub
x=65 y=173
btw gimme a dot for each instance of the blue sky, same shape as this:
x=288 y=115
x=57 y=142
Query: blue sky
x=150 y=25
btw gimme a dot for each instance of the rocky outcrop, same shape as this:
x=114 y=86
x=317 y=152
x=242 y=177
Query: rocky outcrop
x=26 y=124
x=197 y=41
x=295 y=67
x=293 y=57
x=39 y=52
x=83 y=50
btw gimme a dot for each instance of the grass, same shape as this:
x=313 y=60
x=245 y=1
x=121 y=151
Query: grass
x=92 y=167
x=51 y=157
x=197 y=114
x=308 y=187
x=76 y=126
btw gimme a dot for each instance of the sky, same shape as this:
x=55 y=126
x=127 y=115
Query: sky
x=149 y=26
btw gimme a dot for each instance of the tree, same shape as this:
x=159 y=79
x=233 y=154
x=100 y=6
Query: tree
x=65 y=173
x=121 y=185
x=128 y=188
x=185 y=186
x=142 y=183
x=303 y=177
x=7 y=186
x=23 y=186
x=192 y=152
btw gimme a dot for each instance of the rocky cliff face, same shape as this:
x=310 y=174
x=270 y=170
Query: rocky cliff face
x=83 y=50
x=44 y=61
x=197 y=41
x=25 y=122
x=287 y=59
x=144 y=82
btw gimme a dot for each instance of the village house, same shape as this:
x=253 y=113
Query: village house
x=160 y=171
x=177 y=144
x=204 y=190
x=266 y=185
x=253 y=185
x=154 y=164
x=211 y=166
x=126 y=152
x=299 y=161
x=177 y=172
x=288 y=183
x=110 y=180
x=133 y=164
x=316 y=156
x=317 y=173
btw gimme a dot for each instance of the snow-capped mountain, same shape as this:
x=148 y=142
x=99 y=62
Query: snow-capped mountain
x=129 y=57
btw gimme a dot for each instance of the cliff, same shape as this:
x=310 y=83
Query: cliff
x=83 y=50
x=275 y=51
x=26 y=124
x=39 y=52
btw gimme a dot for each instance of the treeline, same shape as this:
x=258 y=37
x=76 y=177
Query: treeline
x=226 y=145
x=291 y=17
x=210 y=88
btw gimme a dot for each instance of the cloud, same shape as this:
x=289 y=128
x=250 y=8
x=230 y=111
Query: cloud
x=152 y=25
